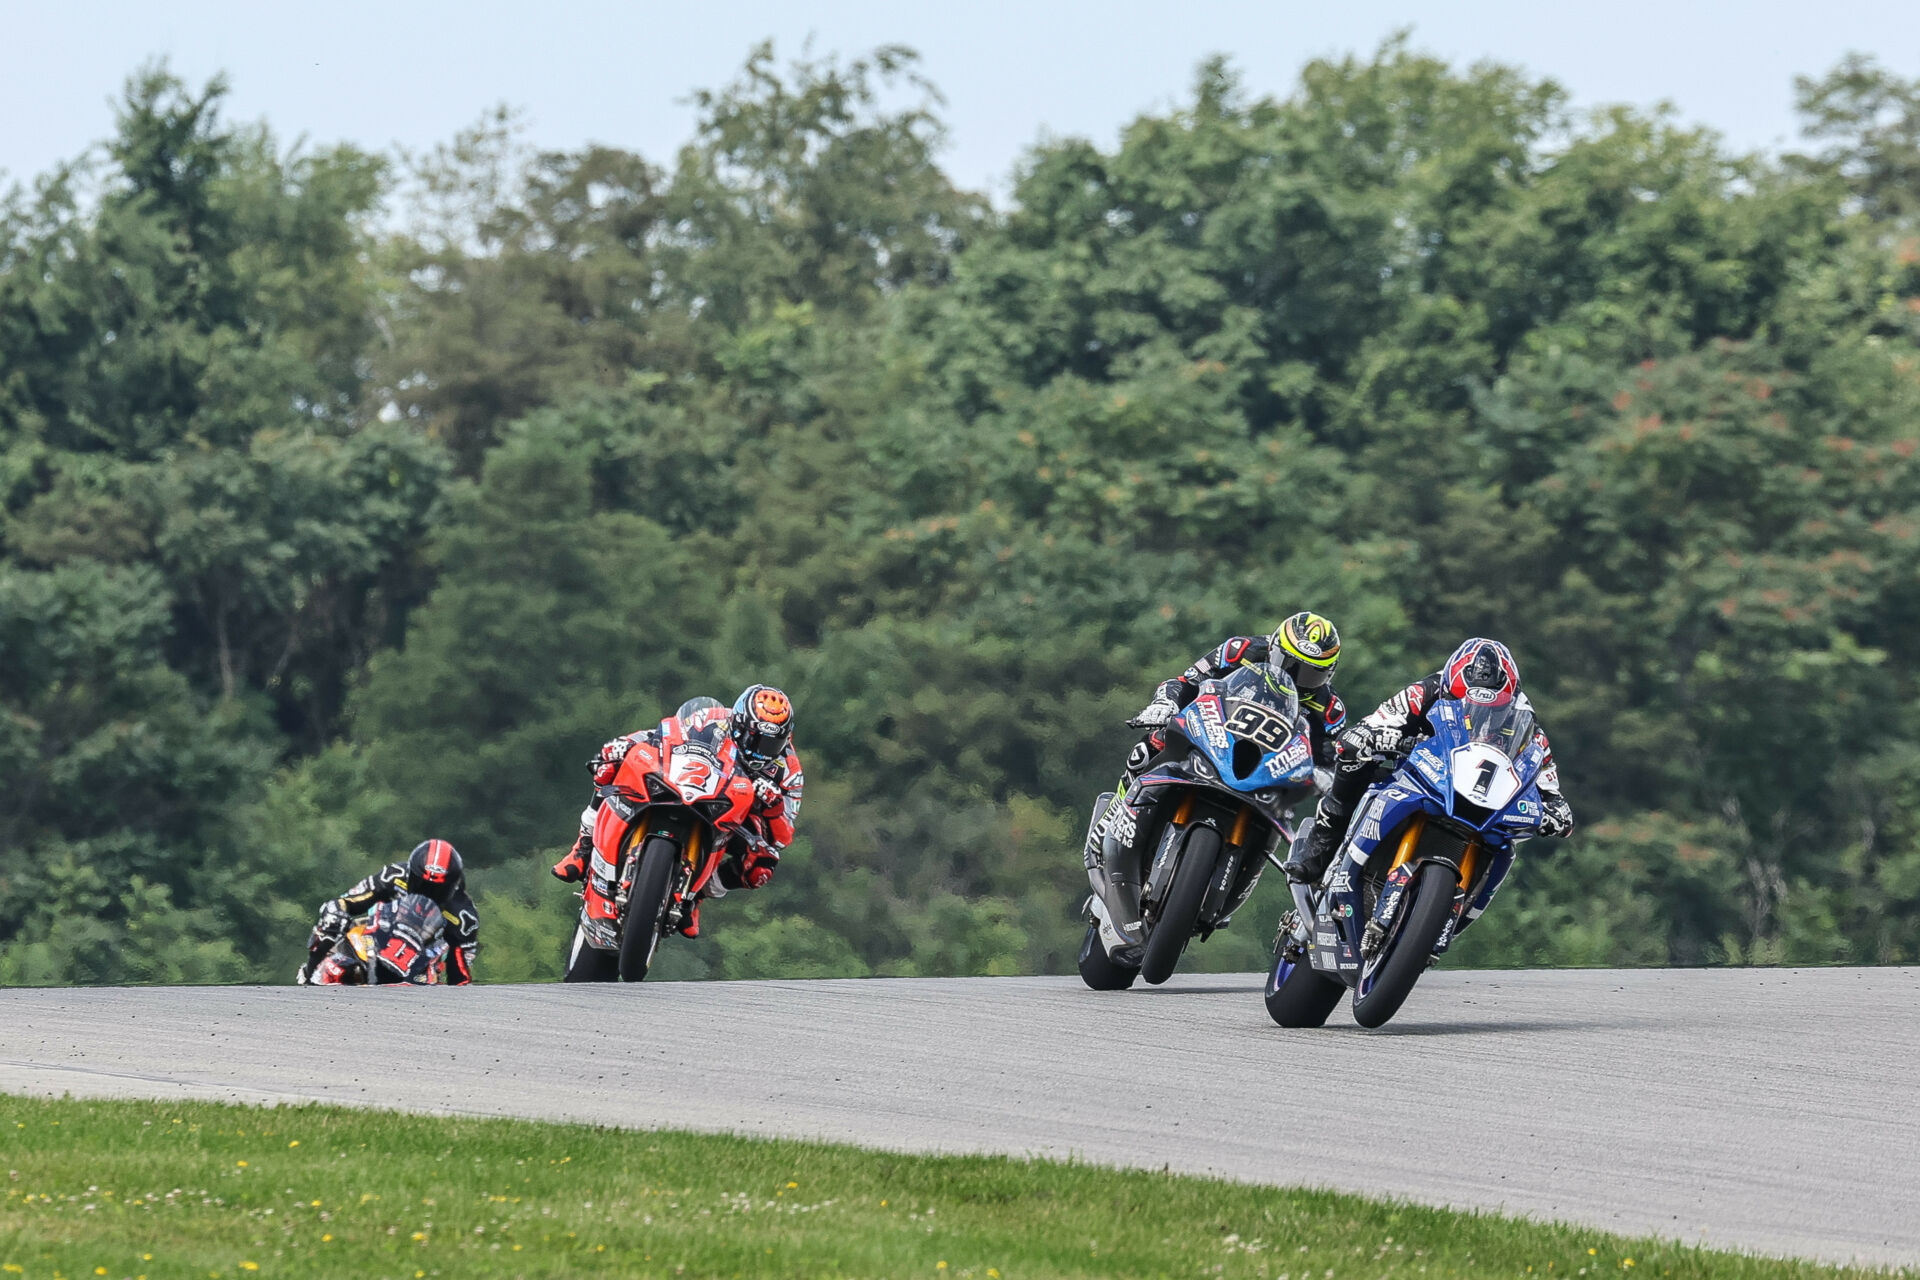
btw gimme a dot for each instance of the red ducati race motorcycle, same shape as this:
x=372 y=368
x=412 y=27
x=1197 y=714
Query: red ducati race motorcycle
x=662 y=826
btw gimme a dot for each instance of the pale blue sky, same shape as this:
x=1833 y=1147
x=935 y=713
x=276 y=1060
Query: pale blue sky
x=594 y=70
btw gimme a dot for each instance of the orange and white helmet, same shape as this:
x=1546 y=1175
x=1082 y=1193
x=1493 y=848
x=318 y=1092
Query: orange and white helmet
x=762 y=727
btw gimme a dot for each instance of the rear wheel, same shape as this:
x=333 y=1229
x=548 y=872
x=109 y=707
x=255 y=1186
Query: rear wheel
x=1181 y=911
x=647 y=908
x=1388 y=979
x=586 y=963
x=1097 y=968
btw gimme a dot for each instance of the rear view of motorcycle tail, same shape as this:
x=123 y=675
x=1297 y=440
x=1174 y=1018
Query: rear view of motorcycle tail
x=1172 y=857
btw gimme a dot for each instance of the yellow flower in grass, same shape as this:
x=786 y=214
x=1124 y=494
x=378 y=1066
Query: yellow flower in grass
x=249 y=1266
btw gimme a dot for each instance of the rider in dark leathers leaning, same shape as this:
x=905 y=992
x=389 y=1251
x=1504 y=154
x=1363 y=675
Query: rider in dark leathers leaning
x=1306 y=646
x=434 y=869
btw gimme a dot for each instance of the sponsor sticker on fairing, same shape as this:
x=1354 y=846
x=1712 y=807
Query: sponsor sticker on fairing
x=1210 y=721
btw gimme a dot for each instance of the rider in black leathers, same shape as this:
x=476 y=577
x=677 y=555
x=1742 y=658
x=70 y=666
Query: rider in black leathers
x=1306 y=646
x=434 y=868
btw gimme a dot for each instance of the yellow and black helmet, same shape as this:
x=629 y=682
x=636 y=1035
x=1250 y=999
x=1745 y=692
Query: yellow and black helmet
x=1306 y=646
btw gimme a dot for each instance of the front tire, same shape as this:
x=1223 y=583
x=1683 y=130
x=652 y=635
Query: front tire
x=640 y=937
x=1298 y=995
x=1431 y=893
x=1181 y=911
x=1097 y=968
x=588 y=963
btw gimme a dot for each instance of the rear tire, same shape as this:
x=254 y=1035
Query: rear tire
x=1097 y=968
x=640 y=937
x=1298 y=995
x=587 y=963
x=1431 y=893
x=1181 y=911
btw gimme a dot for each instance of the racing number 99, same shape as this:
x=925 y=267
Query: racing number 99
x=1264 y=730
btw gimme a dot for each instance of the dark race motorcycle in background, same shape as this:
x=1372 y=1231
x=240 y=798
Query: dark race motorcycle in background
x=1237 y=760
x=1427 y=847
x=401 y=942
x=661 y=829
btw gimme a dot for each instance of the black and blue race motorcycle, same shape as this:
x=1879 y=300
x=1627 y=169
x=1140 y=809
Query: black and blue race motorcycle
x=1181 y=851
x=1427 y=848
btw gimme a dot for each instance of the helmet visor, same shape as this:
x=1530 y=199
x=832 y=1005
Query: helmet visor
x=759 y=745
x=1304 y=674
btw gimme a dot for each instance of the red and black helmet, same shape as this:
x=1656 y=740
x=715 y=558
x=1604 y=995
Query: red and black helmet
x=762 y=726
x=1482 y=671
x=434 y=869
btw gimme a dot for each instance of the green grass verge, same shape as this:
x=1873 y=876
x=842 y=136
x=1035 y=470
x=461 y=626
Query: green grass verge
x=211 y=1192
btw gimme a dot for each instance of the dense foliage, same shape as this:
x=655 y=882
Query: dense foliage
x=317 y=537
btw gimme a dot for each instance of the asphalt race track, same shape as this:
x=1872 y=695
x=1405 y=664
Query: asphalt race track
x=1771 y=1110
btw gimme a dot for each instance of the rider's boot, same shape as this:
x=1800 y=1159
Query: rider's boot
x=1308 y=859
x=690 y=922
x=573 y=868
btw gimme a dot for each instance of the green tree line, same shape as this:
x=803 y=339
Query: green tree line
x=319 y=536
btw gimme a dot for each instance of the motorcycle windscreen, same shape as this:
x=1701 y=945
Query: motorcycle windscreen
x=404 y=932
x=1255 y=737
x=1508 y=728
x=1486 y=763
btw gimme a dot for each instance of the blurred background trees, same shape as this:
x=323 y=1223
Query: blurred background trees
x=319 y=536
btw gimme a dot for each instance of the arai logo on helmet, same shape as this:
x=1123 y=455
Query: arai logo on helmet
x=1483 y=695
x=1311 y=640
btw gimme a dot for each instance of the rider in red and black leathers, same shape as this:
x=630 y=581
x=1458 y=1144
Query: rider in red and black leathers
x=434 y=869
x=1481 y=665
x=761 y=724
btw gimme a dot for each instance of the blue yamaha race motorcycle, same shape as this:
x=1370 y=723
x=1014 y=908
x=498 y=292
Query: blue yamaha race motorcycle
x=1209 y=810
x=1427 y=848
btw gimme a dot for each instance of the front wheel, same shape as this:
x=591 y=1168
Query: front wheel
x=1298 y=995
x=640 y=937
x=1097 y=968
x=1388 y=979
x=1181 y=911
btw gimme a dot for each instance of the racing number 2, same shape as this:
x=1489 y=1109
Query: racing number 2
x=1267 y=731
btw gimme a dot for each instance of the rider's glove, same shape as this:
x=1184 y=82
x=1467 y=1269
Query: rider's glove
x=334 y=922
x=757 y=868
x=1362 y=742
x=1556 y=816
x=767 y=793
x=1155 y=714
x=607 y=763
